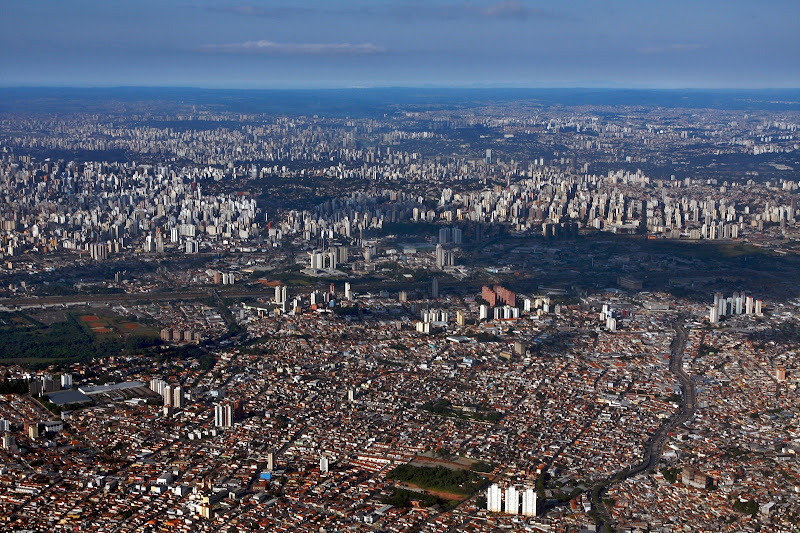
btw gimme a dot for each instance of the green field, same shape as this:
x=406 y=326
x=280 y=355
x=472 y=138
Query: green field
x=69 y=337
x=438 y=478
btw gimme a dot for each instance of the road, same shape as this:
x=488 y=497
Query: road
x=655 y=445
x=241 y=291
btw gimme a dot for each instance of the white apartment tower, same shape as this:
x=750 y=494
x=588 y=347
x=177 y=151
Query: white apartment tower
x=223 y=415
x=713 y=315
x=178 y=398
x=529 y=502
x=494 y=496
x=168 y=395
x=280 y=294
x=512 y=500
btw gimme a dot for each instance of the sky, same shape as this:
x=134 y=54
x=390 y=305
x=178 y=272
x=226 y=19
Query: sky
x=434 y=43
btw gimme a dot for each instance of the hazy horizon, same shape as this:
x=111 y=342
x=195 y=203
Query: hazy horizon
x=253 y=44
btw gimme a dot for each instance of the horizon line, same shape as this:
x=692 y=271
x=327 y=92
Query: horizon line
x=383 y=87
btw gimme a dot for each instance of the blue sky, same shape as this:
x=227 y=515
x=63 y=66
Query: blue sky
x=309 y=44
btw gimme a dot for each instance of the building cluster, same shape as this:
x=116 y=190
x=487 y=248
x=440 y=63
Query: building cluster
x=105 y=209
x=549 y=405
x=738 y=304
x=513 y=497
x=542 y=392
x=173 y=395
x=115 y=209
x=177 y=335
x=735 y=461
x=47 y=383
x=226 y=413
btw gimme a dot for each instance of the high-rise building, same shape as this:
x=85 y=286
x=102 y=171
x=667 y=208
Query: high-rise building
x=178 y=400
x=270 y=460
x=98 y=251
x=342 y=254
x=223 y=415
x=444 y=236
x=512 y=500
x=494 y=496
x=713 y=315
x=9 y=443
x=444 y=258
x=529 y=498
x=280 y=294
x=434 y=288
x=157 y=385
x=323 y=464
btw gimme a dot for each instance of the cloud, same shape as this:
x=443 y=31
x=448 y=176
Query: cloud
x=407 y=10
x=261 y=11
x=310 y=49
x=510 y=9
x=678 y=47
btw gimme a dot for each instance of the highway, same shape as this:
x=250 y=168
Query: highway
x=240 y=291
x=655 y=445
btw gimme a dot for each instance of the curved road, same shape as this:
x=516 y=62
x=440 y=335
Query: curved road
x=654 y=446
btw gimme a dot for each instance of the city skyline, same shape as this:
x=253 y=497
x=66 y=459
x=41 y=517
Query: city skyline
x=456 y=265
x=398 y=43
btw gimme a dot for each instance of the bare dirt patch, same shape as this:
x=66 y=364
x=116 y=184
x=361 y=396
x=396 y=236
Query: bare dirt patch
x=441 y=494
